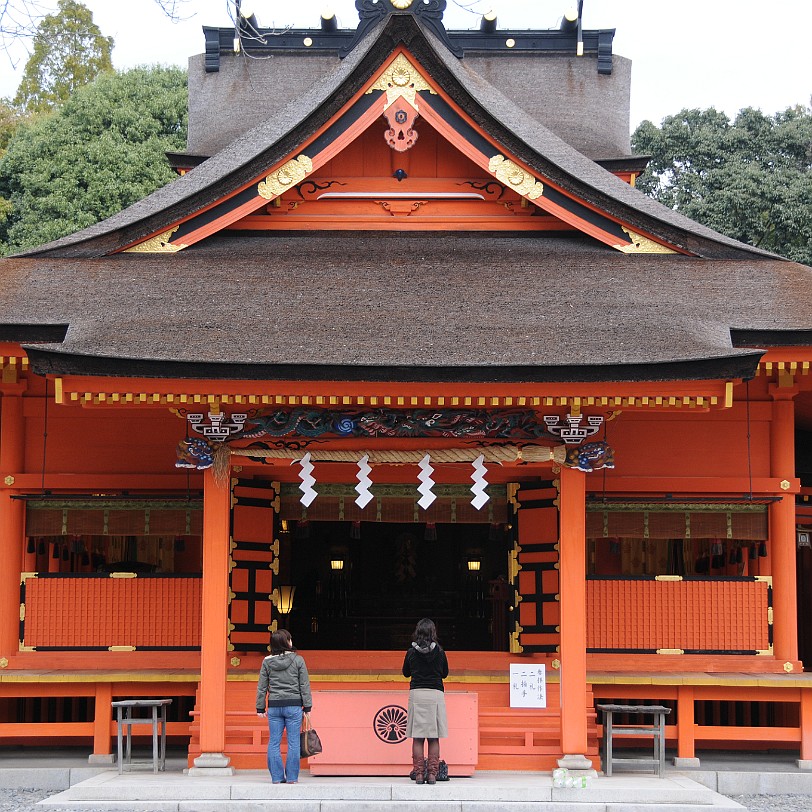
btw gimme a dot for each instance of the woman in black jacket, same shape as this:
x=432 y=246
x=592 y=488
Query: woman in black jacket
x=427 y=665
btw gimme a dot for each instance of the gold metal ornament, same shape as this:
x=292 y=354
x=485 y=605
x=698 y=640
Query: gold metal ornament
x=784 y=484
x=642 y=245
x=159 y=244
x=401 y=78
x=235 y=661
x=3 y=662
x=287 y=176
x=9 y=480
x=515 y=177
x=788 y=667
x=402 y=4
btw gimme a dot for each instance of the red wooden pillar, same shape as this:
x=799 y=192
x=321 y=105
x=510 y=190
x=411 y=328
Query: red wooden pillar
x=782 y=532
x=102 y=718
x=214 y=645
x=805 y=761
x=12 y=521
x=573 y=619
x=686 y=728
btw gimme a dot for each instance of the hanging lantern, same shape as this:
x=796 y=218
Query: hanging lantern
x=282 y=598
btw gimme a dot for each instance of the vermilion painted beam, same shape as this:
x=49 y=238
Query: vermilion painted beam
x=340 y=389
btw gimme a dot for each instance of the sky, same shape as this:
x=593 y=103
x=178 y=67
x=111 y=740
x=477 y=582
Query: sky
x=727 y=54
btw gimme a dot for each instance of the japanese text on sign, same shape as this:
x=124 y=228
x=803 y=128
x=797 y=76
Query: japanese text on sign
x=528 y=686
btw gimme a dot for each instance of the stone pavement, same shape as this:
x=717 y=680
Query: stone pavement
x=101 y=789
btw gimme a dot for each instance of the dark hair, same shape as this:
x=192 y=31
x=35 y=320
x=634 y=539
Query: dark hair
x=425 y=633
x=281 y=642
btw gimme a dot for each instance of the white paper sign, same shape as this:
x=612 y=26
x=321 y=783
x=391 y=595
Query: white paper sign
x=528 y=686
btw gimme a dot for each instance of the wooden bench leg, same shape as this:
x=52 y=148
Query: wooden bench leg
x=607 y=744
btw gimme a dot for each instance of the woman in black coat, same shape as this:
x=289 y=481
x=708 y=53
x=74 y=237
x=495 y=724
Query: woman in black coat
x=427 y=666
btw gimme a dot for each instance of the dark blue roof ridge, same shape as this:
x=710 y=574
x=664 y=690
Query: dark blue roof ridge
x=532 y=143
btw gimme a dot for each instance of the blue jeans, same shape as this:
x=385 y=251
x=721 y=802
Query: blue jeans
x=279 y=719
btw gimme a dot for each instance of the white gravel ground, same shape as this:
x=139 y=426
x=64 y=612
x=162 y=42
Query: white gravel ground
x=25 y=800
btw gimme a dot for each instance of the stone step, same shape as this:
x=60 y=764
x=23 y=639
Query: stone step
x=485 y=792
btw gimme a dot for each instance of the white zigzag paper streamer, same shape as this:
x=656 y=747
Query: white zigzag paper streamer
x=480 y=483
x=426 y=483
x=308 y=480
x=364 y=495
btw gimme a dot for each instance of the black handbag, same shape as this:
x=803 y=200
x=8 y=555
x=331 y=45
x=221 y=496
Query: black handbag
x=309 y=741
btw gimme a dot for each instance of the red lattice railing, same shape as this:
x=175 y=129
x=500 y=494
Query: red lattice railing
x=691 y=615
x=80 y=612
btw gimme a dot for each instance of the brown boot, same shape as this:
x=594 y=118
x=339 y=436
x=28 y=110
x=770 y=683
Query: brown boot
x=432 y=768
x=419 y=769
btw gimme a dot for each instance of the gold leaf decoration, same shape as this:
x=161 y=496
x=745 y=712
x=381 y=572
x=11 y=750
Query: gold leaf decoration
x=515 y=177
x=642 y=245
x=287 y=176
x=159 y=244
x=401 y=78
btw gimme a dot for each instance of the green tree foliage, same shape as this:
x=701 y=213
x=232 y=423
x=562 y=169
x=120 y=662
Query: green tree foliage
x=98 y=153
x=69 y=51
x=750 y=178
x=10 y=120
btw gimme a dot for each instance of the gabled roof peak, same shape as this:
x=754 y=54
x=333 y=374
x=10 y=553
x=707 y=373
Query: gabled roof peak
x=427 y=12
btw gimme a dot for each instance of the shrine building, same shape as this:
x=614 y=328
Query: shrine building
x=403 y=340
